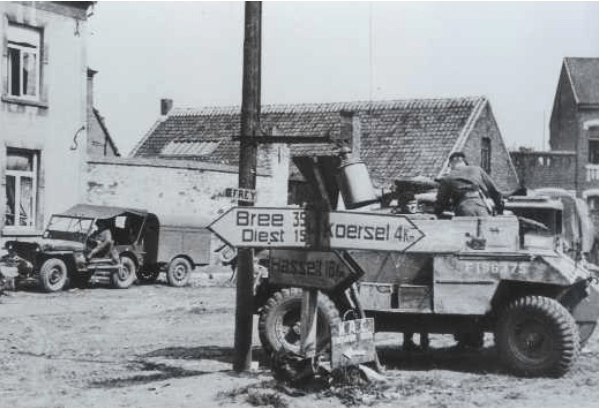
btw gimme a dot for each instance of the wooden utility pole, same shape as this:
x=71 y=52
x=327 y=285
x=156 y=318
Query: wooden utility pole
x=250 y=124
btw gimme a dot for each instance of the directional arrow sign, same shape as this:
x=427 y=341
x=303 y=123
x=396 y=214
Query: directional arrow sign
x=298 y=228
x=308 y=269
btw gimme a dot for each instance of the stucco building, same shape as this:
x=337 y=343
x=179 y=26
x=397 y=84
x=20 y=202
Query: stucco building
x=48 y=126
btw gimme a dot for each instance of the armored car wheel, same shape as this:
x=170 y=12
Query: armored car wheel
x=178 y=272
x=537 y=336
x=279 y=323
x=125 y=275
x=53 y=275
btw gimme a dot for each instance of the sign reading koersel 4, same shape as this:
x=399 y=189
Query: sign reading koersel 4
x=299 y=228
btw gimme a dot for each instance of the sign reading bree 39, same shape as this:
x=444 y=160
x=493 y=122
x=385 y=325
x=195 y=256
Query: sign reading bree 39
x=298 y=228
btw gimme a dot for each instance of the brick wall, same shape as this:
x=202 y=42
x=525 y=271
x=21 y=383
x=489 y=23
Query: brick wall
x=502 y=169
x=563 y=124
x=545 y=169
x=567 y=132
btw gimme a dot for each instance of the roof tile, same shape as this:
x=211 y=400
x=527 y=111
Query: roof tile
x=584 y=73
x=399 y=137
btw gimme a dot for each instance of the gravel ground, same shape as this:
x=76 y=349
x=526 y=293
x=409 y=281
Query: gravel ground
x=158 y=346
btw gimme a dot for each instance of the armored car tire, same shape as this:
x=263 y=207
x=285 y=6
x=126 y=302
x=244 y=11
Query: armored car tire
x=279 y=323
x=125 y=274
x=178 y=273
x=537 y=336
x=53 y=275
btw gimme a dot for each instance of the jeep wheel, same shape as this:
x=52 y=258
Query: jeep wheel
x=279 y=324
x=148 y=274
x=125 y=275
x=537 y=336
x=53 y=275
x=178 y=272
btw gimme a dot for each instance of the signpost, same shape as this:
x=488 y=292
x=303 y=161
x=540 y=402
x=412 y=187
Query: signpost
x=299 y=228
x=308 y=269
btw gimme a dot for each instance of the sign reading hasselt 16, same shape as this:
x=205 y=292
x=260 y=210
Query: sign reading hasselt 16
x=296 y=228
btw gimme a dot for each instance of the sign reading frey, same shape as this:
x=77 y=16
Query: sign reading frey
x=242 y=194
x=299 y=228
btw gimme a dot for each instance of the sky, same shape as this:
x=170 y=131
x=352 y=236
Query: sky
x=192 y=53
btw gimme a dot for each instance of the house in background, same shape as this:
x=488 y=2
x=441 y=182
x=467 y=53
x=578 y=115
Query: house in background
x=99 y=141
x=182 y=186
x=44 y=113
x=395 y=138
x=573 y=161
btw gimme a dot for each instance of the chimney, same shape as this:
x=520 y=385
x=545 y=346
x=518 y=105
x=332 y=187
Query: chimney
x=165 y=106
x=351 y=130
x=90 y=90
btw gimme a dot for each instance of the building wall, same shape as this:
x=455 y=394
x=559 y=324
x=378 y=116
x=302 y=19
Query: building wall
x=567 y=132
x=98 y=144
x=563 y=124
x=169 y=186
x=502 y=169
x=50 y=126
x=588 y=174
x=545 y=169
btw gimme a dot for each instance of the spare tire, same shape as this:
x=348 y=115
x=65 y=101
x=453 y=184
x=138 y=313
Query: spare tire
x=279 y=324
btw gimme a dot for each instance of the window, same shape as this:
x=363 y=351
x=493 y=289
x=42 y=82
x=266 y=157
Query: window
x=23 y=61
x=485 y=154
x=593 y=203
x=190 y=148
x=593 y=151
x=21 y=188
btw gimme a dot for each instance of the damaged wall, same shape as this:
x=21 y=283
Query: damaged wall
x=169 y=186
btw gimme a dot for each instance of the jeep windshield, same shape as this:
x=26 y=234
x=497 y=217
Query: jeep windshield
x=68 y=228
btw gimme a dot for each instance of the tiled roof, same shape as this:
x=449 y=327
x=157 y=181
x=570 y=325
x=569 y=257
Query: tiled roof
x=584 y=74
x=398 y=138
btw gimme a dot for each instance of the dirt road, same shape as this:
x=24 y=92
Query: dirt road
x=158 y=346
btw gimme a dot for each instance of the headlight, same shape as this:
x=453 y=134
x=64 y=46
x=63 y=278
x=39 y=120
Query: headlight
x=79 y=258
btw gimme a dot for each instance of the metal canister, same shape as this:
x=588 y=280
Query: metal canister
x=354 y=184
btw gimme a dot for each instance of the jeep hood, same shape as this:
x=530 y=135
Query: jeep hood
x=61 y=245
x=51 y=245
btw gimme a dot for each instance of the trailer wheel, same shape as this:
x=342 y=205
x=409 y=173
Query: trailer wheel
x=179 y=271
x=537 y=336
x=125 y=275
x=279 y=324
x=53 y=275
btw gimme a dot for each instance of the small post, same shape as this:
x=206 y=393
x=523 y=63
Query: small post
x=308 y=323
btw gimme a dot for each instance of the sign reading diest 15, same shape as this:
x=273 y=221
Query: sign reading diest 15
x=298 y=228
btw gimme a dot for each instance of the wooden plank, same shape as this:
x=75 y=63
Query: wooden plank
x=308 y=323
